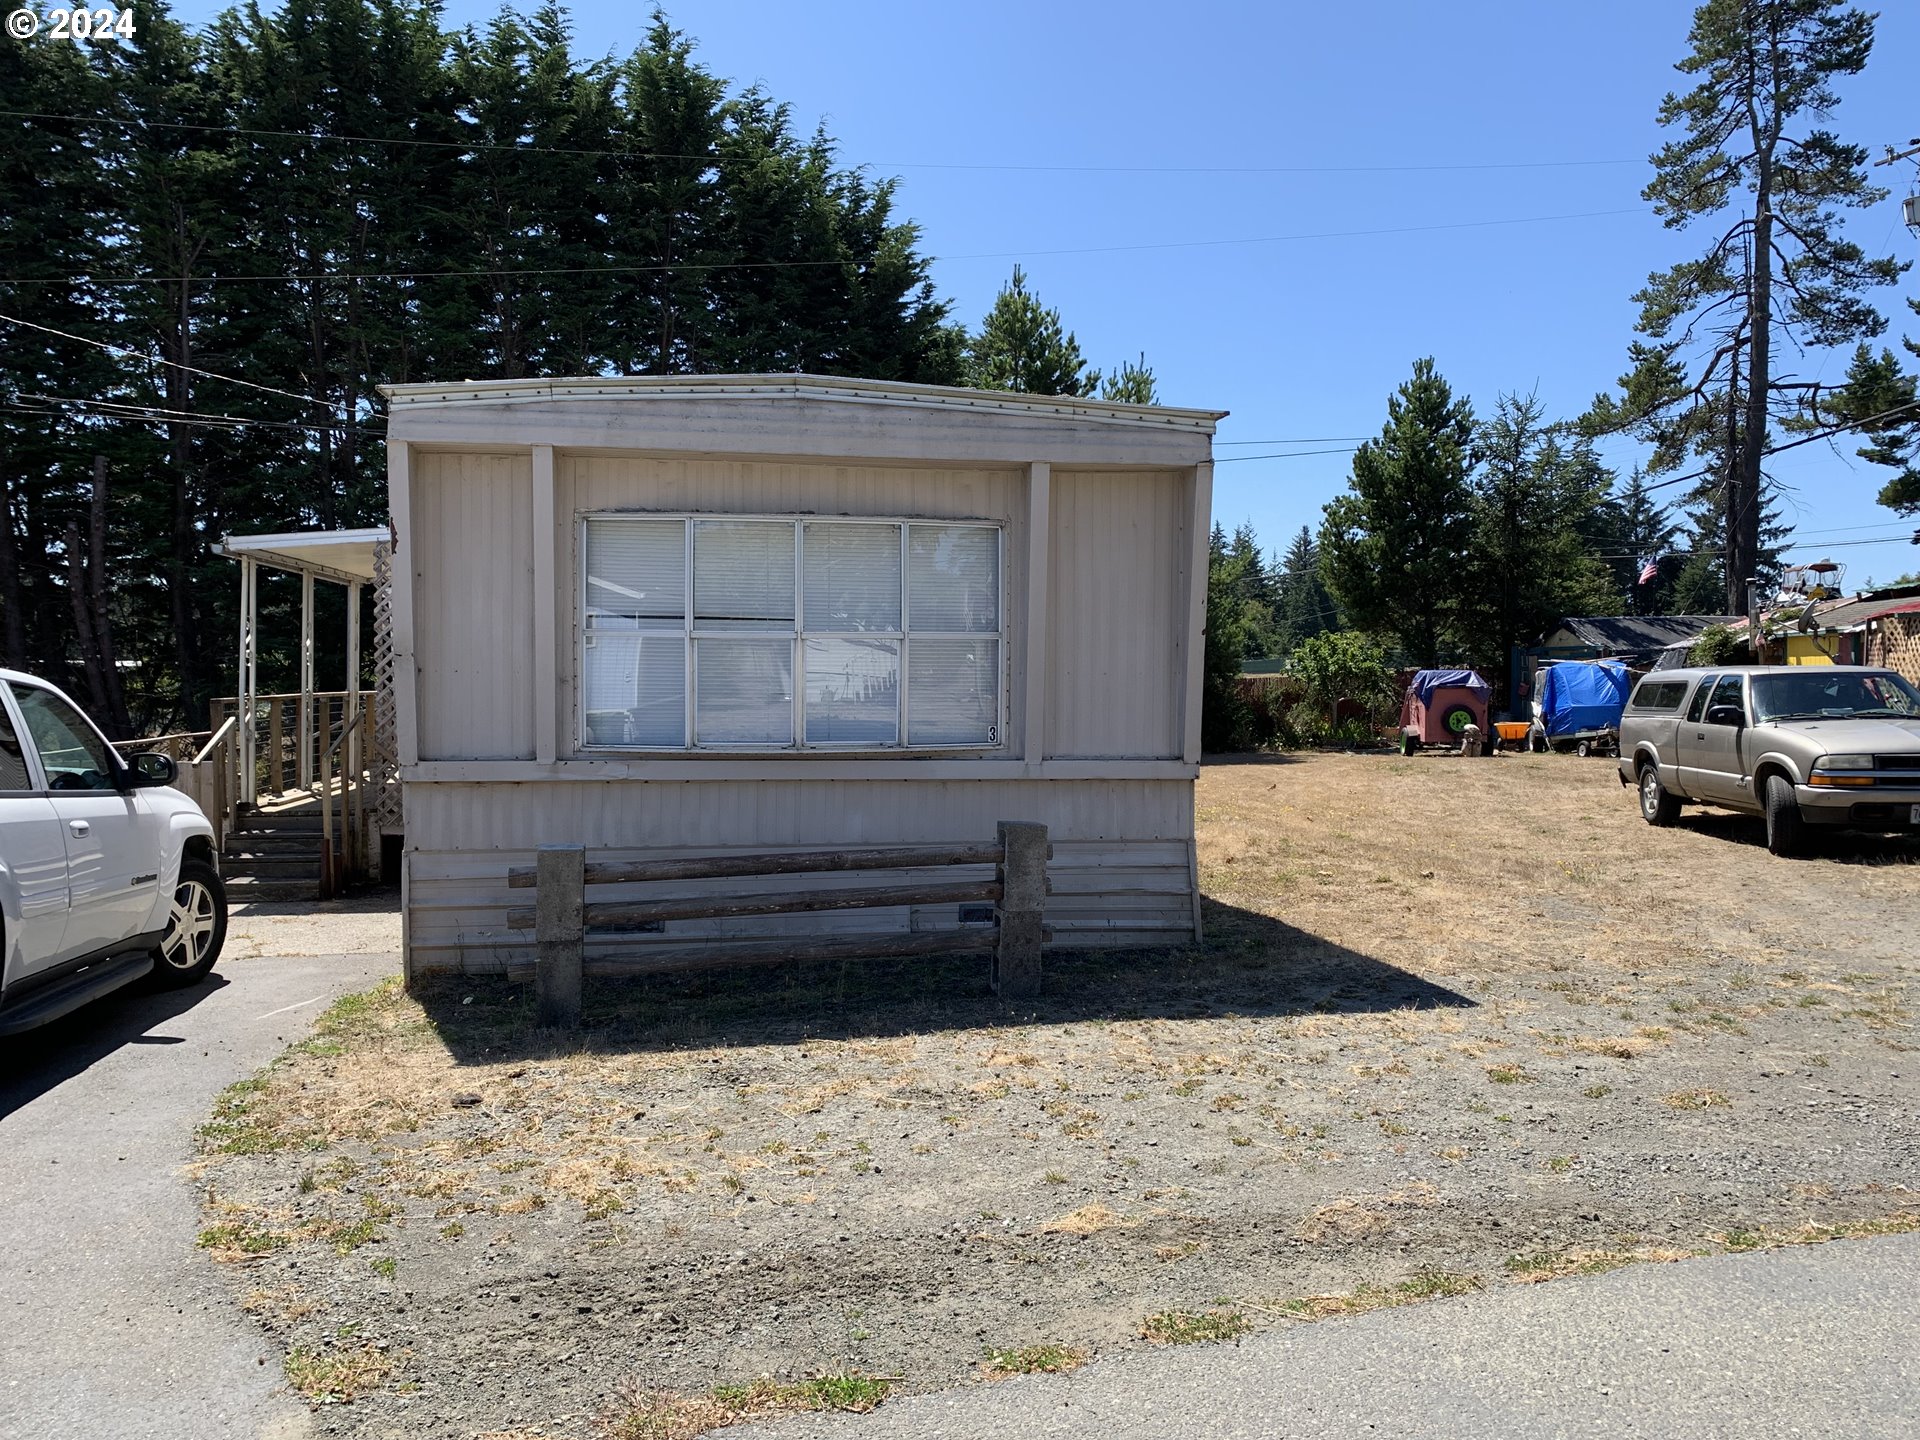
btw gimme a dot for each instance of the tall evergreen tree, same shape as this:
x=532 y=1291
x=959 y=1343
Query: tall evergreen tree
x=1303 y=607
x=1629 y=530
x=1877 y=386
x=1528 y=562
x=1392 y=548
x=1754 y=158
x=1023 y=346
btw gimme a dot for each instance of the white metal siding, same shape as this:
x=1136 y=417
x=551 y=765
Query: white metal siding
x=1117 y=613
x=1120 y=870
x=472 y=569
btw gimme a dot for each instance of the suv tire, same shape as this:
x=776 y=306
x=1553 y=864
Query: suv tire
x=1657 y=807
x=1786 y=829
x=197 y=929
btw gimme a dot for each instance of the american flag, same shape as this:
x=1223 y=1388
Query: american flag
x=1650 y=572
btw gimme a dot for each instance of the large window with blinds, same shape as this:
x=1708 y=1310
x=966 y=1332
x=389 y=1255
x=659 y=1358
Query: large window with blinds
x=717 y=632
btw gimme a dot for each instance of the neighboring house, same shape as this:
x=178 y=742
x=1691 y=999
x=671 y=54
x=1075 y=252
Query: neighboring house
x=670 y=615
x=1636 y=639
x=1642 y=641
x=1877 y=627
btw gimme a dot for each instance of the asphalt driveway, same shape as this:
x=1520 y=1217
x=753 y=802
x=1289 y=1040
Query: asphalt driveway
x=1814 y=1341
x=110 y=1322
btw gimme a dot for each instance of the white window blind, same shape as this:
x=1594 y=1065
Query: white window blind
x=790 y=633
x=953 y=578
x=853 y=577
x=742 y=574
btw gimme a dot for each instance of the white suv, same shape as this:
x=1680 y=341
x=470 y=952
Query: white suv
x=107 y=876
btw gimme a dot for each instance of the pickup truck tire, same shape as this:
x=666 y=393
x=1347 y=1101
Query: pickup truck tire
x=197 y=929
x=1657 y=807
x=1786 y=830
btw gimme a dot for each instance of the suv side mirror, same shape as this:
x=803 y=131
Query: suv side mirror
x=150 y=767
x=1726 y=715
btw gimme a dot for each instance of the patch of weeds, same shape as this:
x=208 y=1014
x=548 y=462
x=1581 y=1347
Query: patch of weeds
x=1194 y=1327
x=732 y=1184
x=240 y=1239
x=1558 y=1264
x=1393 y=1127
x=642 y=1414
x=1560 y=1164
x=337 y=1376
x=1034 y=1360
x=1507 y=1074
x=1181 y=1251
x=386 y=1267
x=452 y=1230
x=1597 y=1092
x=241 y=1124
x=1054 y=1177
x=1809 y=1002
x=1695 y=1099
x=1426 y=1285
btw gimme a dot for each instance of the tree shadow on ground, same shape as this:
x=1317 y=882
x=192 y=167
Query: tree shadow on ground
x=1250 y=966
x=1839 y=847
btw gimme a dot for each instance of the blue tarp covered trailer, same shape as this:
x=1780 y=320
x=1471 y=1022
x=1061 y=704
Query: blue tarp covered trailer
x=1582 y=697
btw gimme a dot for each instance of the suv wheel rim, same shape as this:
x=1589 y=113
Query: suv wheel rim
x=189 y=926
x=1649 y=792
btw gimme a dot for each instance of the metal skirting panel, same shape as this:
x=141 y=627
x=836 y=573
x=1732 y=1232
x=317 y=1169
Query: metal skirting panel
x=1120 y=872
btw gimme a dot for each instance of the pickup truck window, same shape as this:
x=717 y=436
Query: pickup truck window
x=1659 y=694
x=71 y=752
x=1699 y=705
x=1726 y=691
x=1817 y=696
x=13 y=764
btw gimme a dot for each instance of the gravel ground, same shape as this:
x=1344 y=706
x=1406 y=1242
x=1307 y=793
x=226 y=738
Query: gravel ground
x=1457 y=1024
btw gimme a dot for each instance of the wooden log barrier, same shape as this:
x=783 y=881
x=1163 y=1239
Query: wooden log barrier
x=562 y=920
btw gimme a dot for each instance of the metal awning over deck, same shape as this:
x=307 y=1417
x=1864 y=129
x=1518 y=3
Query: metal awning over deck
x=344 y=556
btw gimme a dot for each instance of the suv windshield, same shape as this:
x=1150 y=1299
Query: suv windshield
x=1814 y=695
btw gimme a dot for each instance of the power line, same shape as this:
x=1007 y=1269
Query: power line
x=1298 y=440
x=156 y=360
x=499 y=271
x=1286 y=455
x=1826 y=434
x=715 y=158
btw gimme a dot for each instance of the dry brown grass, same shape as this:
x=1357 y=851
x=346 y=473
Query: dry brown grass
x=1087 y=1220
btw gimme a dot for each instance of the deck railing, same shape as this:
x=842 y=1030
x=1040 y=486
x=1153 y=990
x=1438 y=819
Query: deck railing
x=562 y=920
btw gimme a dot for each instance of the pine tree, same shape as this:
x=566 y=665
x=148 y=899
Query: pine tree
x=1303 y=607
x=1023 y=347
x=1392 y=548
x=1632 y=528
x=1527 y=561
x=1876 y=385
x=1754 y=156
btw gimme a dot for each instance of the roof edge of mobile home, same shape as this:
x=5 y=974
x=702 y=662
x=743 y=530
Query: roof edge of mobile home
x=801 y=386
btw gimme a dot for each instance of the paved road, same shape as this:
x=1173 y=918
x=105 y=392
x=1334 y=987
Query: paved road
x=1814 y=1342
x=111 y=1324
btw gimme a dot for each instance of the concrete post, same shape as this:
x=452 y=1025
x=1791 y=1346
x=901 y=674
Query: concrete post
x=1023 y=898
x=559 y=933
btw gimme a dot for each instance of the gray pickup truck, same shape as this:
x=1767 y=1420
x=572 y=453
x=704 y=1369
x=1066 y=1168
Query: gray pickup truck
x=1804 y=745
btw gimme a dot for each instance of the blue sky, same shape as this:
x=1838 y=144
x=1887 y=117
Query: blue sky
x=1134 y=157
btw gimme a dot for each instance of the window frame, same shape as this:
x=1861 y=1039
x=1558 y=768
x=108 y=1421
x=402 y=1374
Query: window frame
x=797 y=635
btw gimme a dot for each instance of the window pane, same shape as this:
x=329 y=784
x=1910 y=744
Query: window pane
x=853 y=692
x=636 y=684
x=71 y=751
x=953 y=573
x=853 y=577
x=953 y=692
x=13 y=762
x=742 y=574
x=637 y=567
x=743 y=692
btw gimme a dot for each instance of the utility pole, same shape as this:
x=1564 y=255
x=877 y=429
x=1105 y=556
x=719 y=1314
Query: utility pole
x=1911 y=205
